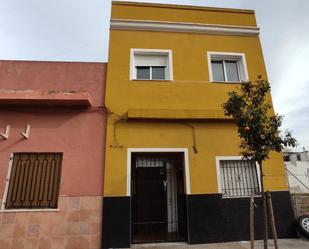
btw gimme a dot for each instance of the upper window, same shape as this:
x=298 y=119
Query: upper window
x=237 y=178
x=227 y=67
x=34 y=181
x=286 y=158
x=151 y=64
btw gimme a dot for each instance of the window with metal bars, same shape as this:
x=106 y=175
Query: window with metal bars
x=238 y=178
x=34 y=181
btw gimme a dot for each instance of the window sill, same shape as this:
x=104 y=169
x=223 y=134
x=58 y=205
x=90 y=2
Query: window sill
x=152 y=80
x=29 y=210
x=240 y=197
x=228 y=82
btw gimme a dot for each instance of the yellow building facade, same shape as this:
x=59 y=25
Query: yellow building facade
x=173 y=170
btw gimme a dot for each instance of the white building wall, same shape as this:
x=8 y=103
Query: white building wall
x=298 y=172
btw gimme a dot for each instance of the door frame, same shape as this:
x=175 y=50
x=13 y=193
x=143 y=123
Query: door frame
x=186 y=168
x=186 y=162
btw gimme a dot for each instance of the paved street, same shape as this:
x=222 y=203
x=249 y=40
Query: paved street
x=283 y=244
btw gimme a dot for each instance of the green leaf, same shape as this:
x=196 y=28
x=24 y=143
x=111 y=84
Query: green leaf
x=258 y=129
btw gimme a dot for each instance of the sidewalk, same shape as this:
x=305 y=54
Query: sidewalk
x=283 y=244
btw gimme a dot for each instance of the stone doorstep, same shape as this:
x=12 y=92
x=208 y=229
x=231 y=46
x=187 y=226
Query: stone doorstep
x=230 y=245
x=169 y=244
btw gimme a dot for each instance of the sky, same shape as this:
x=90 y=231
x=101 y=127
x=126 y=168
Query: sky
x=77 y=30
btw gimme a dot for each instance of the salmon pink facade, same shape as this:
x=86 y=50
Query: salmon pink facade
x=52 y=143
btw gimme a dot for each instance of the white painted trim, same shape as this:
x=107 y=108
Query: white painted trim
x=222 y=158
x=165 y=52
x=186 y=161
x=170 y=63
x=132 y=64
x=239 y=57
x=6 y=189
x=258 y=175
x=183 y=27
x=129 y=158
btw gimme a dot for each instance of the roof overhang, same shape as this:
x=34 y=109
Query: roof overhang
x=174 y=114
x=44 y=98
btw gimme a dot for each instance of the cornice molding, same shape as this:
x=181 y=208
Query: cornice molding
x=182 y=27
x=179 y=6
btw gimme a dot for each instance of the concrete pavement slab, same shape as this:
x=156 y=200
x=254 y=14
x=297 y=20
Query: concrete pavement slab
x=300 y=243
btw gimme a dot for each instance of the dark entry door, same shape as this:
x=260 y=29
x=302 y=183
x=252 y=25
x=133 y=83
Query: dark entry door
x=150 y=221
x=156 y=199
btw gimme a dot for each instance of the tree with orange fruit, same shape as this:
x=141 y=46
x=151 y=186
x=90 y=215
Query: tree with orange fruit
x=258 y=128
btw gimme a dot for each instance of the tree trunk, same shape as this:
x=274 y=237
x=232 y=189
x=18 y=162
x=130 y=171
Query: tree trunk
x=272 y=219
x=265 y=223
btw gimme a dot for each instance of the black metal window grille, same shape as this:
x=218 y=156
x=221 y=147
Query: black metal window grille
x=34 y=181
x=146 y=162
x=238 y=178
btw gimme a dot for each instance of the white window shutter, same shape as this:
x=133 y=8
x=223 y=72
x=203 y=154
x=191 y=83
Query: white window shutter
x=150 y=60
